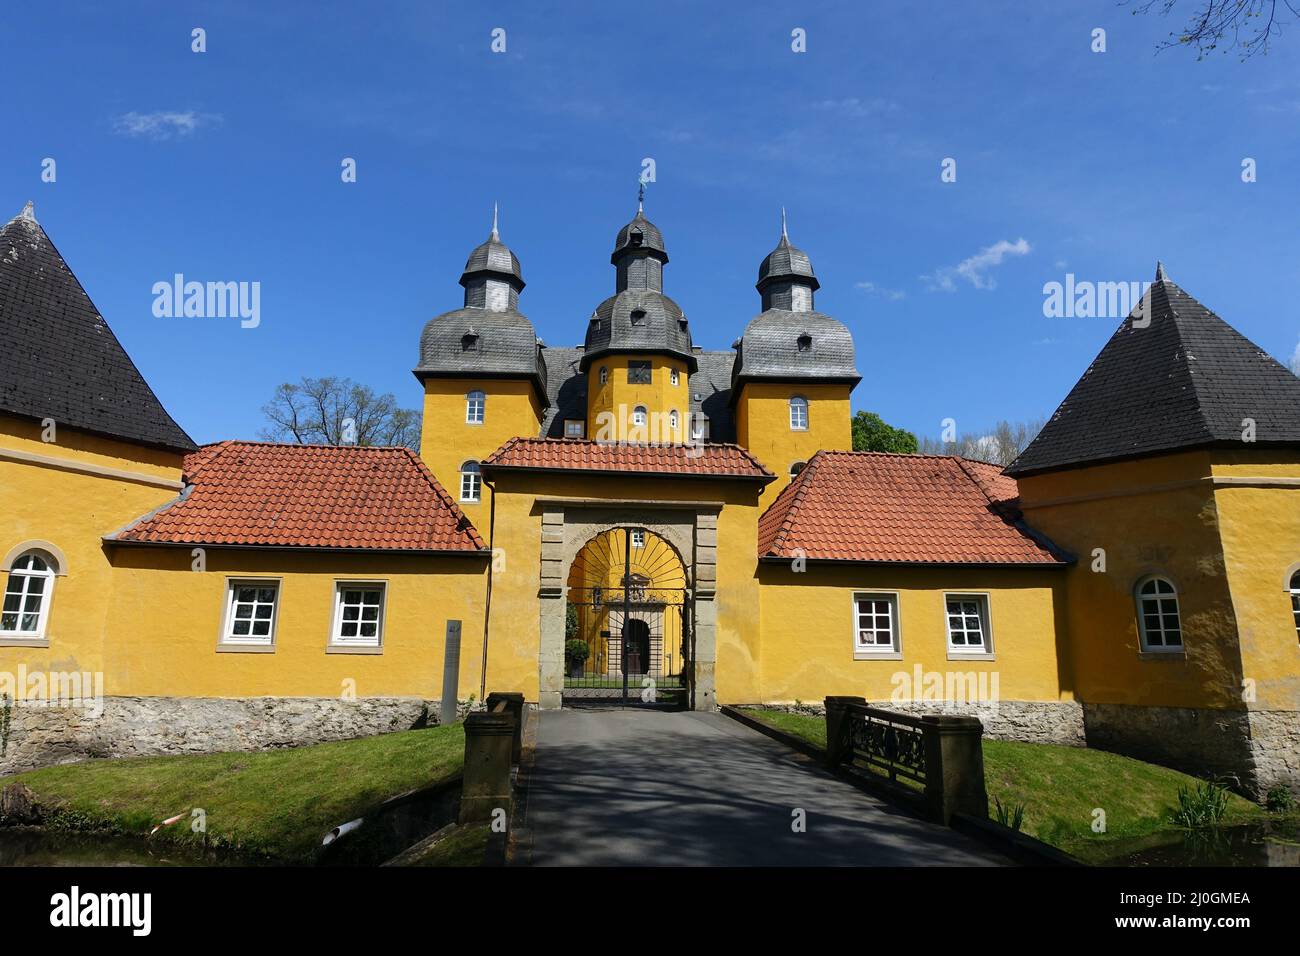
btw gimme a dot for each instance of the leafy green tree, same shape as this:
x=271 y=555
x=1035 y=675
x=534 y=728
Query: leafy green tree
x=873 y=433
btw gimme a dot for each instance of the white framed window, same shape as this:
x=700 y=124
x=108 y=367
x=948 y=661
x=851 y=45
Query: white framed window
x=795 y=468
x=639 y=415
x=1295 y=602
x=875 y=625
x=638 y=537
x=798 y=414
x=675 y=377
x=252 y=606
x=28 y=592
x=673 y=420
x=968 y=624
x=358 y=614
x=699 y=427
x=604 y=375
x=475 y=406
x=574 y=428
x=471 y=482
x=1159 y=622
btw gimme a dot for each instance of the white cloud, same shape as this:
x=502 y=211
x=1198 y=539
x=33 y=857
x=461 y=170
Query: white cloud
x=163 y=124
x=893 y=295
x=975 y=269
x=855 y=106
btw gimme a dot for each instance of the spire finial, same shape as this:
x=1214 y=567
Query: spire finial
x=640 y=197
x=495 y=235
x=1160 y=271
x=28 y=212
x=784 y=234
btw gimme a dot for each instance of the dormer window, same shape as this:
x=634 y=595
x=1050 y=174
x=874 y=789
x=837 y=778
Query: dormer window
x=637 y=316
x=805 y=342
x=469 y=342
x=636 y=238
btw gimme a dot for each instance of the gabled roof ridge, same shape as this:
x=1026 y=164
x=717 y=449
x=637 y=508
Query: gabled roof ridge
x=444 y=496
x=800 y=487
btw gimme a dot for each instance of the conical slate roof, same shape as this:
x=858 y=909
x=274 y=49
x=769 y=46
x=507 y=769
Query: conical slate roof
x=1186 y=380
x=58 y=357
x=640 y=233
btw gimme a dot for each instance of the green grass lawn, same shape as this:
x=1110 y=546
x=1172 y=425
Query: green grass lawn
x=1060 y=787
x=275 y=803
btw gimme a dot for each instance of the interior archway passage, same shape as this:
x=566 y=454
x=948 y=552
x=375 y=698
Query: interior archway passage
x=627 y=614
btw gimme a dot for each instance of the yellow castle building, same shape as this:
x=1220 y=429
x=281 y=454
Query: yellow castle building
x=639 y=518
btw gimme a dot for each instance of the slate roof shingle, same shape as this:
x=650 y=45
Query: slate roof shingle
x=260 y=494
x=1186 y=380
x=576 y=454
x=903 y=509
x=58 y=357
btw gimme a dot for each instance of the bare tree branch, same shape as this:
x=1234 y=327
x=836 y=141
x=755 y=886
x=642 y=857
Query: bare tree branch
x=1247 y=25
x=315 y=411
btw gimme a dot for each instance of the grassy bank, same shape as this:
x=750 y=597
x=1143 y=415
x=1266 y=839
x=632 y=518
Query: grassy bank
x=276 y=803
x=1060 y=787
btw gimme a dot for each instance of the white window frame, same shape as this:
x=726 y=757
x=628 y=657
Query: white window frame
x=866 y=652
x=473 y=493
x=1139 y=605
x=699 y=426
x=984 y=607
x=1295 y=602
x=18 y=635
x=357 y=644
x=796 y=467
x=575 y=428
x=249 y=641
x=475 y=407
x=604 y=375
x=638 y=537
x=675 y=377
x=673 y=419
x=640 y=415
x=798 y=422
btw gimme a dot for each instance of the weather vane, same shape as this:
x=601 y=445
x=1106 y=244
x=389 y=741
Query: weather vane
x=640 y=195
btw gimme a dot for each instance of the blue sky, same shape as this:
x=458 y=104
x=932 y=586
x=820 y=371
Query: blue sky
x=1100 y=163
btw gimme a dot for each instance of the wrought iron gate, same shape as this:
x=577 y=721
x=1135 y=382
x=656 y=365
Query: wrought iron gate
x=630 y=644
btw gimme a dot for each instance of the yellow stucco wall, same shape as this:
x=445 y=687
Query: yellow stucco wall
x=1260 y=526
x=763 y=425
x=72 y=506
x=610 y=405
x=515 y=615
x=447 y=441
x=1155 y=515
x=809 y=626
x=165 y=620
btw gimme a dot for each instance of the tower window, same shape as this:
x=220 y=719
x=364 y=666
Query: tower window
x=1159 y=624
x=635 y=238
x=675 y=377
x=469 y=342
x=799 y=414
x=471 y=483
x=639 y=415
x=637 y=316
x=638 y=373
x=604 y=375
x=805 y=343
x=475 y=406
x=797 y=467
x=672 y=419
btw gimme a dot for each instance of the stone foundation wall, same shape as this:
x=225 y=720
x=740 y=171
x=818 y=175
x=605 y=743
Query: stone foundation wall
x=1204 y=743
x=1275 y=742
x=150 y=726
x=1037 y=722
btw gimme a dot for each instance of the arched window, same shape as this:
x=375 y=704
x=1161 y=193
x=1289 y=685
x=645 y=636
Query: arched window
x=1295 y=601
x=672 y=419
x=604 y=375
x=675 y=377
x=799 y=414
x=471 y=482
x=797 y=467
x=639 y=415
x=1158 y=618
x=27 y=596
x=475 y=405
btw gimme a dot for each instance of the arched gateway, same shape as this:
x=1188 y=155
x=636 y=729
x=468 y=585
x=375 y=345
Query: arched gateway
x=627 y=620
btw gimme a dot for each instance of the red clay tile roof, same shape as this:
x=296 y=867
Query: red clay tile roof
x=308 y=496
x=577 y=454
x=922 y=509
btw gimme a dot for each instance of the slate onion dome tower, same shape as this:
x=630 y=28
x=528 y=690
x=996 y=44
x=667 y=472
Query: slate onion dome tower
x=794 y=369
x=637 y=354
x=482 y=370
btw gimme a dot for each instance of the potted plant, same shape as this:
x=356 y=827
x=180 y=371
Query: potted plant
x=576 y=653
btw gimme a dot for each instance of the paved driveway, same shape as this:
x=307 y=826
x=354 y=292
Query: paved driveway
x=649 y=788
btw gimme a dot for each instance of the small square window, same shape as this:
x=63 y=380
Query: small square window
x=638 y=373
x=875 y=625
x=638 y=538
x=358 y=614
x=251 y=612
x=574 y=428
x=968 y=624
